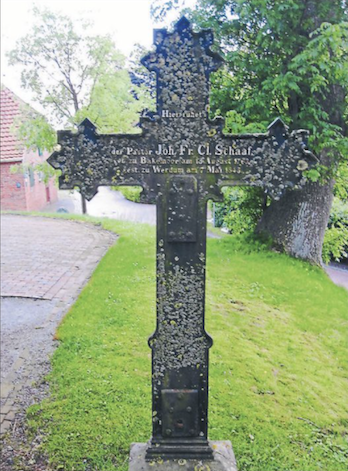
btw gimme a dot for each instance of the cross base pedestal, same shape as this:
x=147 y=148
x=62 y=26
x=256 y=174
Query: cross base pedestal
x=223 y=460
x=174 y=449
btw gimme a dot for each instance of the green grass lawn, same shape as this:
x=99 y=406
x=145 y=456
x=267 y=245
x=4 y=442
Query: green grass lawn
x=278 y=366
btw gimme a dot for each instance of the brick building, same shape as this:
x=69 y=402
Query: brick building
x=24 y=189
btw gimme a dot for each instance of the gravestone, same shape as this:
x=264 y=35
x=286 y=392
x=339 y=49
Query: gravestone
x=181 y=159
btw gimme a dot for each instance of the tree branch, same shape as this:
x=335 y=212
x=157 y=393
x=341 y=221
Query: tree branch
x=64 y=112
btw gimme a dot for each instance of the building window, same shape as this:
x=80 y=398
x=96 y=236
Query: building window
x=31 y=176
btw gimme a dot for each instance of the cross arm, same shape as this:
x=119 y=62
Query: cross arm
x=274 y=160
x=87 y=159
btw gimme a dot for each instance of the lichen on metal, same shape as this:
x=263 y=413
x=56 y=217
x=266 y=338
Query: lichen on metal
x=179 y=139
x=181 y=159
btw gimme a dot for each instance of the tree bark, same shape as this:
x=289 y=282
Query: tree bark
x=76 y=106
x=83 y=204
x=297 y=222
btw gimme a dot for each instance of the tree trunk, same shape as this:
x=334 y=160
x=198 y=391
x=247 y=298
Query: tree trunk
x=297 y=222
x=83 y=204
x=77 y=108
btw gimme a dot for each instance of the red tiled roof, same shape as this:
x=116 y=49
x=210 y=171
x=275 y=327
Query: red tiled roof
x=10 y=147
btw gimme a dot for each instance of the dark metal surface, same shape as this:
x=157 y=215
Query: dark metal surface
x=182 y=209
x=180 y=413
x=181 y=159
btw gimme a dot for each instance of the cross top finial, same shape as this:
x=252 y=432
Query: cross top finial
x=182 y=62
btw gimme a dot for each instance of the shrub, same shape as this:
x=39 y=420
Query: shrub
x=131 y=193
x=335 y=245
x=240 y=210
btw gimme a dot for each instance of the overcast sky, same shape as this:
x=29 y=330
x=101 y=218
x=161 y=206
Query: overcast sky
x=128 y=21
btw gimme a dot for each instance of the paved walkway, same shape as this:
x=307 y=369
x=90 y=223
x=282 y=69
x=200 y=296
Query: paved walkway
x=44 y=265
x=338 y=275
x=106 y=203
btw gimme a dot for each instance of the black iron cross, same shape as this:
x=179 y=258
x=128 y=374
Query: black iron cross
x=181 y=159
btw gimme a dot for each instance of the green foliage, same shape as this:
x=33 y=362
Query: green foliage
x=60 y=66
x=236 y=124
x=278 y=359
x=241 y=209
x=112 y=108
x=323 y=63
x=74 y=75
x=313 y=174
x=335 y=245
x=33 y=130
x=45 y=170
x=341 y=182
x=131 y=193
x=160 y=8
x=339 y=213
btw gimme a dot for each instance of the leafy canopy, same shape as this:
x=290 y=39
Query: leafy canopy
x=73 y=75
x=67 y=69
